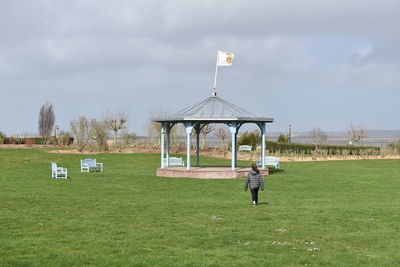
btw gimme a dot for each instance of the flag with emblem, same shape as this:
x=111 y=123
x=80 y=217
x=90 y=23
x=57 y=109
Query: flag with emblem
x=224 y=58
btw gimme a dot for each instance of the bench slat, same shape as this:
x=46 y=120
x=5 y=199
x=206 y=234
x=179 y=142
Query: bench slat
x=173 y=161
x=270 y=161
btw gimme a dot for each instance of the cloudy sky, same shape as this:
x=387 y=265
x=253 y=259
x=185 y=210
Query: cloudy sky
x=326 y=64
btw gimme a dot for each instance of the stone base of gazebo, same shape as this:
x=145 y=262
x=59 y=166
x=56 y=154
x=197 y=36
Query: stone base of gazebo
x=206 y=172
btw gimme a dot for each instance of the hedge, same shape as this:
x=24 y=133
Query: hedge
x=276 y=147
x=30 y=140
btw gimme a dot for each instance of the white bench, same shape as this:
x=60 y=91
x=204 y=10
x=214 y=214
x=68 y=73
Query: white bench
x=174 y=162
x=58 y=172
x=270 y=161
x=245 y=148
x=88 y=165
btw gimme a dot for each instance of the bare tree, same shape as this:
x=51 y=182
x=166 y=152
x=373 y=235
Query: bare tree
x=356 y=133
x=223 y=134
x=177 y=131
x=153 y=128
x=319 y=136
x=46 y=120
x=81 y=131
x=100 y=133
x=128 y=138
x=115 y=122
x=204 y=131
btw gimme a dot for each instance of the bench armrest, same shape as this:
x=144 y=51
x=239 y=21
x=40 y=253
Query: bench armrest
x=61 y=170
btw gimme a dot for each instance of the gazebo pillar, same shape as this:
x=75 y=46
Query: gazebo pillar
x=263 y=129
x=236 y=150
x=197 y=129
x=189 y=127
x=233 y=128
x=168 y=130
x=162 y=144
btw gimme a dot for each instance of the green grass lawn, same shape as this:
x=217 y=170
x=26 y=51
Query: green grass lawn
x=343 y=213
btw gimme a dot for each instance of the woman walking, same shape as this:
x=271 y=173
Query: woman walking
x=255 y=180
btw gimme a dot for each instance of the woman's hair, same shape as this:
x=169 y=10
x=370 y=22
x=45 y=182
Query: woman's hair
x=254 y=167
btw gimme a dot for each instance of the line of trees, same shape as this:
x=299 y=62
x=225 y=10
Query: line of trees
x=86 y=131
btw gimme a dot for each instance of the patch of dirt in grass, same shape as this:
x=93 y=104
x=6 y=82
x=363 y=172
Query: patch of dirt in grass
x=23 y=146
x=74 y=152
x=214 y=154
x=208 y=153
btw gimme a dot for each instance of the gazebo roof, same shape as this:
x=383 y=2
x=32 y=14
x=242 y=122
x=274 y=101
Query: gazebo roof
x=213 y=109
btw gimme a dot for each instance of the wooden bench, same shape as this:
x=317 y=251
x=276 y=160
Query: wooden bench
x=58 y=172
x=270 y=161
x=174 y=162
x=88 y=165
x=245 y=148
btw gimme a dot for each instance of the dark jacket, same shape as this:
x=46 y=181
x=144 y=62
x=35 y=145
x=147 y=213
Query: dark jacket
x=255 y=180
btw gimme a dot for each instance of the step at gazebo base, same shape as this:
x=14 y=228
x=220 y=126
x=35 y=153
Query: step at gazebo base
x=209 y=172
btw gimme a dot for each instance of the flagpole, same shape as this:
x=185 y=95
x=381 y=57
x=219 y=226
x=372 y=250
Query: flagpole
x=214 y=93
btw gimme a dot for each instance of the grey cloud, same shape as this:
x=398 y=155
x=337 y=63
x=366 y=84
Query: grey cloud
x=165 y=50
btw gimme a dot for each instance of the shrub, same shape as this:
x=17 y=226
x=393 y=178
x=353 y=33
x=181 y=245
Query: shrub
x=2 y=136
x=39 y=140
x=31 y=140
x=13 y=140
x=64 y=138
x=250 y=138
x=395 y=146
x=283 y=138
x=35 y=140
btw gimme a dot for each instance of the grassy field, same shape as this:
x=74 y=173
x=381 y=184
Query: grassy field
x=343 y=213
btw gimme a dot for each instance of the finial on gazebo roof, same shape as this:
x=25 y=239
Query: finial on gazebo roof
x=214 y=93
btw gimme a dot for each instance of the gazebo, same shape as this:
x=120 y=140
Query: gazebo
x=211 y=110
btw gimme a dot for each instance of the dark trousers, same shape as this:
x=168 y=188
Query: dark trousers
x=254 y=194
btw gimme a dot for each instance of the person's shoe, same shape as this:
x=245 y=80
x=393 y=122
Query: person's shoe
x=254 y=203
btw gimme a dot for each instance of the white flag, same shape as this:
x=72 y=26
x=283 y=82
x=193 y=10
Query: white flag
x=224 y=58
